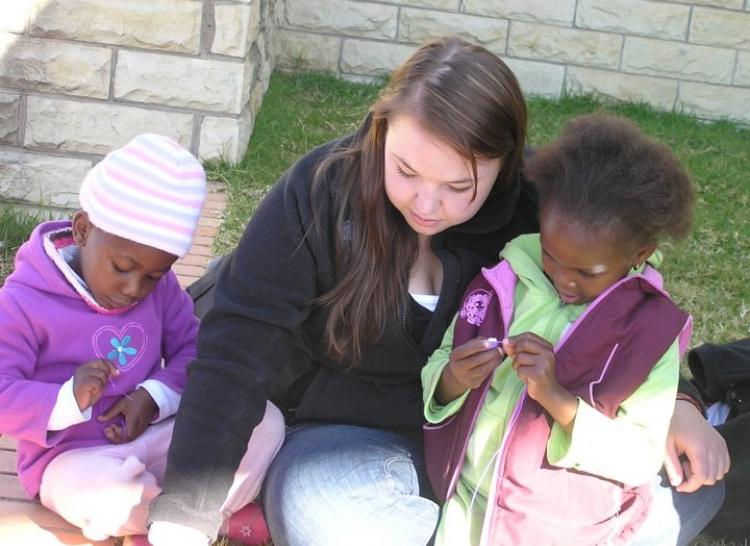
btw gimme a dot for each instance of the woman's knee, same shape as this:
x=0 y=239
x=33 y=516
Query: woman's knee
x=697 y=509
x=352 y=460
x=677 y=518
x=329 y=482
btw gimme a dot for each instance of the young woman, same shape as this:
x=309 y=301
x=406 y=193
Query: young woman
x=343 y=284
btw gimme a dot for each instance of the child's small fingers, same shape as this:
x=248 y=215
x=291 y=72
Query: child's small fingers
x=524 y=360
x=111 y=368
x=105 y=367
x=507 y=345
x=107 y=416
x=470 y=363
x=522 y=375
x=527 y=345
x=97 y=376
x=132 y=427
x=490 y=358
x=114 y=410
x=118 y=434
x=474 y=346
x=481 y=372
x=93 y=387
x=528 y=342
x=97 y=388
x=99 y=365
x=110 y=433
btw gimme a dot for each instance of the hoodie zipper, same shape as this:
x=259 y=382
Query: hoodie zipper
x=553 y=319
x=500 y=463
x=522 y=398
x=499 y=474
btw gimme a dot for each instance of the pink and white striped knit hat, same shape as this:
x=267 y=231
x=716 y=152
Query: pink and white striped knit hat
x=150 y=191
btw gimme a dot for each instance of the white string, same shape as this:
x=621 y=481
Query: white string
x=481 y=478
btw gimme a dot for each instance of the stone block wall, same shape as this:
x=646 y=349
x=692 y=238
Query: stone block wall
x=687 y=55
x=81 y=77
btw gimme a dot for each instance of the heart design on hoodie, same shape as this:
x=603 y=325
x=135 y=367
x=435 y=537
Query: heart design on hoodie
x=123 y=347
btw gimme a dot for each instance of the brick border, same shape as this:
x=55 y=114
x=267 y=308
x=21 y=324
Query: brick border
x=190 y=268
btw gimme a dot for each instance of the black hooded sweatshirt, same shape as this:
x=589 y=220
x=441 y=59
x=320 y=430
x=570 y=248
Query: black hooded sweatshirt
x=262 y=340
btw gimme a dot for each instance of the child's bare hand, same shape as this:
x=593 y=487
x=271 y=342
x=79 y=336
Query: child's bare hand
x=534 y=362
x=89 y=381
x=136 y=413
x=469 y=365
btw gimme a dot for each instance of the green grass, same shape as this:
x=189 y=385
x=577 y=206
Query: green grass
x=15 y=227
x=298 y=113
x=706 y=274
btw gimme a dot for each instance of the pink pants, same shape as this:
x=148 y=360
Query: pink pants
x=106 y=490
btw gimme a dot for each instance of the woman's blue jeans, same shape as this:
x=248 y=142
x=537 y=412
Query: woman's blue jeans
x=677 y=518
x=336 y=485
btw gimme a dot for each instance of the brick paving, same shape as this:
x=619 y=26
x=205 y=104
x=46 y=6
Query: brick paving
x=191 y=267
x=27 y=523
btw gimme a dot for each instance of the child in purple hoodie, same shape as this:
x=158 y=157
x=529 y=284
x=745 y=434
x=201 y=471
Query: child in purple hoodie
x=95 y=337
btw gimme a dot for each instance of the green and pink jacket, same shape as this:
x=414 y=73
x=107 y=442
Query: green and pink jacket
x=619 y=351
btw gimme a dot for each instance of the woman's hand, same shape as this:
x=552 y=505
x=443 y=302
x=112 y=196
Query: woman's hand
x=89 y=381
x=706 y=456
x=469 y=365
x=534 y=362
x=137 y=410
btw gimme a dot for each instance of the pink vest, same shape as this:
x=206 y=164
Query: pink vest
x=603 y=358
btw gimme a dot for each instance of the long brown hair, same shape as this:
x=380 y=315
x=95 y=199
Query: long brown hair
x=463 y=95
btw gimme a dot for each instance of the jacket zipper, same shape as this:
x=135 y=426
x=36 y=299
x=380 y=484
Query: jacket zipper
x=500 y=469
x=553 y=319
x=522 y=398
x=500 y=463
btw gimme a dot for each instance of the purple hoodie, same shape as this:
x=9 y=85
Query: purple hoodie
x=47 y=330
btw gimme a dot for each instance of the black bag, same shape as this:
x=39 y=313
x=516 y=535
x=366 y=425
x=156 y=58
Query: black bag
x=202 y=290
x=722 y=374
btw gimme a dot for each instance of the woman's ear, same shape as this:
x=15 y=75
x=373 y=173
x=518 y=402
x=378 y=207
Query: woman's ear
x=643 y=253
x=81 y=227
